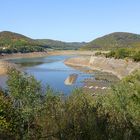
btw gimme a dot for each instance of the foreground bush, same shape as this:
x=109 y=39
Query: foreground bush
x=35 y=115
x=122 y=105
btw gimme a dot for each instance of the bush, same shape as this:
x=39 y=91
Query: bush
x=133 y=54
x=136 y=56
x=98 y=53
x=110 y=54
x=121 y=53
x=114 y=115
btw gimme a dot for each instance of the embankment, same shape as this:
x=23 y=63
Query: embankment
x=42 y=54
x=118 y=67
x=23 y=55
x=4 y=65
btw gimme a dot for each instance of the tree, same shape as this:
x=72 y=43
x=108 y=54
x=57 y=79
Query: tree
x=25 y=93
x=10 y=119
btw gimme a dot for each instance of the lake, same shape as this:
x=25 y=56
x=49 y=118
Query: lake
x=52 y=71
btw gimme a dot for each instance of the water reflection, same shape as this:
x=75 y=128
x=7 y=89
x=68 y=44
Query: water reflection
x=29 y=64
x=71 y=79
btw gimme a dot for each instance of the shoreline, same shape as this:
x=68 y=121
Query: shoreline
x=47 y=53
x=4 y=64
x=23 y=55
x=117 y=67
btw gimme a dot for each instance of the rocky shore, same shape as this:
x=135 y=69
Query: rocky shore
x=118 y=67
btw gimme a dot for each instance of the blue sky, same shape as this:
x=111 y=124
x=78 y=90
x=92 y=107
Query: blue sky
x=69 y=20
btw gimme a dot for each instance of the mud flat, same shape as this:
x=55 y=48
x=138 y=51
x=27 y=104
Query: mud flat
x=118 y=67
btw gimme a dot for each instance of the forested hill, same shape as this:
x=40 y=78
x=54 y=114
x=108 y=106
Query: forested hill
x=60 y=45
x=114 y=40
x=13 y=42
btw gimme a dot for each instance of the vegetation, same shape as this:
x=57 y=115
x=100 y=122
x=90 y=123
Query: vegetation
x=28 y=113
x=21 y=49
x=129 y=53
x=59 y=45
x=13 y=43
x=113 y=41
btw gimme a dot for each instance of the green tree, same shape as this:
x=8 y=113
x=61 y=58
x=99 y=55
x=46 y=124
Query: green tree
x=25 y=113
x=25 y=93
x=122 y=105
x=10 y=119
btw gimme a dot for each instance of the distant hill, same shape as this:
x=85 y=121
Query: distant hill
x=60 y=45
x=114 y=40
x=13 y=42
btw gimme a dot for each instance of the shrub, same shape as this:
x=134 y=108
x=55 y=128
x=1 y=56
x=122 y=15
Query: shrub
x=110 y=54
x=98 y=53
x=133 y=54
x=136 y=56
x=113 y=115
x=121 y=53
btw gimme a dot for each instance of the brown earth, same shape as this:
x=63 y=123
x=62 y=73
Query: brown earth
x=118 y=67
x=4 y=65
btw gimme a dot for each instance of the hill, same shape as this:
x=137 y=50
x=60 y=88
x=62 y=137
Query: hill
x=13 y=42
x=114 y=40
x=60 y=45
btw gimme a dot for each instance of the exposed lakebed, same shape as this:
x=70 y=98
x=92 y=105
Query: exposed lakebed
x=52 y=71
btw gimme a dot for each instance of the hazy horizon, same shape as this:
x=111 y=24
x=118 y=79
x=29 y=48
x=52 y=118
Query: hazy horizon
x=70 y=21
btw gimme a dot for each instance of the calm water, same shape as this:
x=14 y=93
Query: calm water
x=52 y=71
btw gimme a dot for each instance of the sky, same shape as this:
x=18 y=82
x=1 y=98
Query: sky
x=69 y=20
